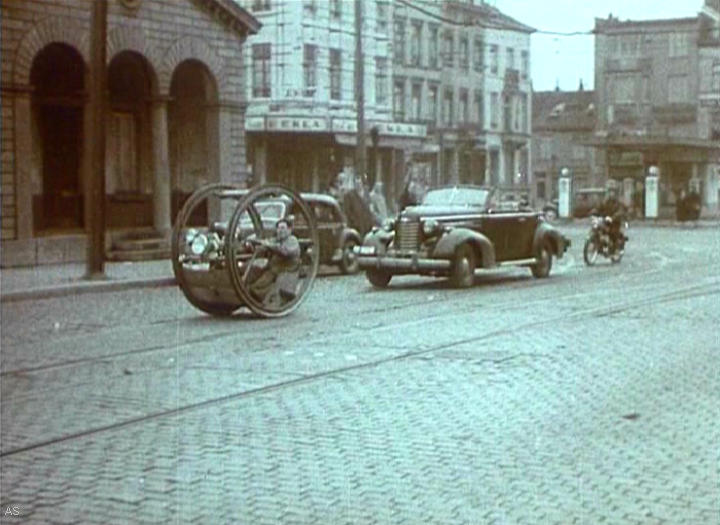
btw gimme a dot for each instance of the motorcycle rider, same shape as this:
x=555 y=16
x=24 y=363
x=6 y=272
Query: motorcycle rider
x=612 y=207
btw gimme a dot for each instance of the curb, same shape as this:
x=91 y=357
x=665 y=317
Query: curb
x=86 y=287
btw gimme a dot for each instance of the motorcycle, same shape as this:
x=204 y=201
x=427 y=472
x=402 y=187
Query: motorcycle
x=599 y=242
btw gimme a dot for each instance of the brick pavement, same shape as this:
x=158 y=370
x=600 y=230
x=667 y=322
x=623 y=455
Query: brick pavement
x=475 y=434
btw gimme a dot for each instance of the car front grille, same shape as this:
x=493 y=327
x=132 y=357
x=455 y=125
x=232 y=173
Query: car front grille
x=407 y=236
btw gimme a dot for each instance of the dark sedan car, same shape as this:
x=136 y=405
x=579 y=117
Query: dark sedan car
x=337 y=239
x=455 y=230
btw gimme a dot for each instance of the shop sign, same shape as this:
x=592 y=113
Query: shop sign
x=255 y=123
x=626 y=158
x=296 y=124
x=344 y=125
x=402 y=129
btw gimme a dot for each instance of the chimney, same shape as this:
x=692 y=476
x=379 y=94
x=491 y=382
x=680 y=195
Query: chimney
x=580 y=87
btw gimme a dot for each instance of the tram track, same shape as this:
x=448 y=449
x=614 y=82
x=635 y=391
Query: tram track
x=678 y=294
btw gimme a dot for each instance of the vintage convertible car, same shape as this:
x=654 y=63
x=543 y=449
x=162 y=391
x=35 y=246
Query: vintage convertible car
x=455 y=230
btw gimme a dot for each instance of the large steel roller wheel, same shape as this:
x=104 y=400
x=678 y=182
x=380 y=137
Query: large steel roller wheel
x=187 y=220
x=250 y=224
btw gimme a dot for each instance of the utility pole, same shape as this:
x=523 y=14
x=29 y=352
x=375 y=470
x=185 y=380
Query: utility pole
x=95 y=205
x=360 y=157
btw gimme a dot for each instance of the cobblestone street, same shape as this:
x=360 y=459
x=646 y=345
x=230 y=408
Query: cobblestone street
x=589 y=397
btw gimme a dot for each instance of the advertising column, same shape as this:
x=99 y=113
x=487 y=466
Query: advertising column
x=564 y=193
x=651 y=192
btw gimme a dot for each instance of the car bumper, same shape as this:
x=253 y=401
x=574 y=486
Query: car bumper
x=402 y=264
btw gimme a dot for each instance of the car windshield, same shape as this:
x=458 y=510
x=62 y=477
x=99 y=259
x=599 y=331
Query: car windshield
x=457 y=196
x=269 y=211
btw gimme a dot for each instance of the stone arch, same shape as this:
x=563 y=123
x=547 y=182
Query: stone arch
x=192 y=48
x=128 y=38
x=57 y=29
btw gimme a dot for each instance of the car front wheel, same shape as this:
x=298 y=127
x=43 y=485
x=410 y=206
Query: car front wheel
x=378 y=278
x=463 y=268
x=544 y=262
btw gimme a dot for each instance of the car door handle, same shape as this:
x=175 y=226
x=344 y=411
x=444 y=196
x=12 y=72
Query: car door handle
x=523 y=219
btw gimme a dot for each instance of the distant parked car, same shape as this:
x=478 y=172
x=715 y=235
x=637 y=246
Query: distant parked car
x=584 y=201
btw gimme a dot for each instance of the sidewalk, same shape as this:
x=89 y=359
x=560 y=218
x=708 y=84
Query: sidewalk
x=19 y=284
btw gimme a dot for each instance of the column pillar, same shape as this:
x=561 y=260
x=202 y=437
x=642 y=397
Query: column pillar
x=161 y=167
x=27 y=165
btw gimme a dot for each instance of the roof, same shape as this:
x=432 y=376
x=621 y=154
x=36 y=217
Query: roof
x=240 y=19
x=615 y=25
x=564 y=111
x=490 y=17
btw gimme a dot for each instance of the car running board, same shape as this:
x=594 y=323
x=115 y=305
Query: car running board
x=519 y=262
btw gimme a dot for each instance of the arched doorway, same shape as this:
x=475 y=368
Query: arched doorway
x=58 y=78
x=128 y=158
x=193 y=131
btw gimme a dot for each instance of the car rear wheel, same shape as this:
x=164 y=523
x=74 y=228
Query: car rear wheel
x=378 y=278
x=543 y=265
x=349 y=263
x=463 y=268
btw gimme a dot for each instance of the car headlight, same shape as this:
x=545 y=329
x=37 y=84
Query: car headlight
x=430 y=227
x=190 y=235
x=199 y=244
x=388 y=225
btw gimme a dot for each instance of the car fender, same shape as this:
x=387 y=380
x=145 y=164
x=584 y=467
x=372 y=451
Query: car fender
x=546 y=233
x=448 y=243
x=378 y=238
x=349 y=234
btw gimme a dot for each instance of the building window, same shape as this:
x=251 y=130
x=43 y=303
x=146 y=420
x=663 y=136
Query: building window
x=335 y=74
x=493 y=58
x=416 y=31
x=309 y=6
x=623 y=89
x=524 y=65
x=336 y=9
x=260 y=5
x=399 y=99
x=524 y=120
x=310 y=68
x=433 y=47
x=464 y=53
x=448 y=51
x=447 y=115
x=578 y=152
x=399 y=41
x=432 y=103
x=679 y=44
x=261 y=70
x=629 y=45
x=479 y=109
x=715 y=80
x=463 y=107
x=381 y=22
x=416 y=109
x=510 y=58
x=494 y=110
x=678 y=89
x=479 y=55
x=381 y=77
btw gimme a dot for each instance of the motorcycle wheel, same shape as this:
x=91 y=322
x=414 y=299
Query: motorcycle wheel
x=590 y=251
x=617 y=255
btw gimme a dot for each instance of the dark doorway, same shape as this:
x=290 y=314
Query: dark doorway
x=57 y=76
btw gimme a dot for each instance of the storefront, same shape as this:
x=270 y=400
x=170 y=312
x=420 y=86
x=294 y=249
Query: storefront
x=685 y=165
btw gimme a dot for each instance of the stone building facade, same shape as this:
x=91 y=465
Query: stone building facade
x=657 y=105
x=446 y=88
x=175 y=117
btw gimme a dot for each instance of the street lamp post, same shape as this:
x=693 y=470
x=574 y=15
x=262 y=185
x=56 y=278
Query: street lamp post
x=360 y=153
